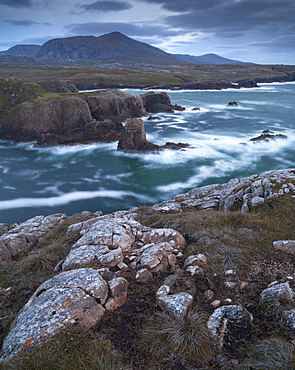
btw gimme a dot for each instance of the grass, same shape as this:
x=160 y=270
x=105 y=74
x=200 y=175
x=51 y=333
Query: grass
x=72 y=349
x=272 y=353
x=177 y=342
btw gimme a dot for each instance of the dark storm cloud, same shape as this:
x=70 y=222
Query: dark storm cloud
x=106 y=6
x=25 y=23
x=129 y=29
x=17 y=3
x=229 y=15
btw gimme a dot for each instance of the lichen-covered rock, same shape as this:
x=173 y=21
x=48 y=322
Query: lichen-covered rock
x=177 y=304
x=229 y=324
x=154 y=256
x=241 y=193
x=118 y=288
x=144 y=276
x=173 y=237
x=195 y=260
x=72 y=297
x=19 y=240
x=281 y=291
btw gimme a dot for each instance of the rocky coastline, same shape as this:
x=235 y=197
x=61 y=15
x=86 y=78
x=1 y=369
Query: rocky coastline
x=117 y=251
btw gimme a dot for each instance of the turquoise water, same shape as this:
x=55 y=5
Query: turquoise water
x=96 y=176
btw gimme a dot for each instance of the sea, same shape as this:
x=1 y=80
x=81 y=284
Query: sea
x=97 y=177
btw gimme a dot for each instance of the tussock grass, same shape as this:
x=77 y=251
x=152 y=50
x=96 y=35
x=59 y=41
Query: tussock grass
x=177 y=343
x=273 y=353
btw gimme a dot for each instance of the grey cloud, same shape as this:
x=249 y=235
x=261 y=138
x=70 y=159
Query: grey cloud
x=106 y=6
x=25 y=23
x=129 y=29
x=17 y=3
x=228 y=16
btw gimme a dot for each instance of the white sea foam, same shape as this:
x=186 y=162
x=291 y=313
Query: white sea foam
x=67 y=198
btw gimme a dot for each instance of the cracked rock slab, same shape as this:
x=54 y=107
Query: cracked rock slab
x=72 y=297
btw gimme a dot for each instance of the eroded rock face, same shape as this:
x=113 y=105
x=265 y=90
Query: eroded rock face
x=70 y=119
x=19 y=240
x=133 y=136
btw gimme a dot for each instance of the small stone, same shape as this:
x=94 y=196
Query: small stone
x=144 y=276
x=216 y=303
x=208 y=295
x=244 y=285
x=227 y=301
x=195 y=260
x=195 y=270
x=230 y=284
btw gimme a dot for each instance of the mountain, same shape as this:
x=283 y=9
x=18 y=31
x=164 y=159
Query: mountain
x=208 y=59
x=110 y=48
x=22 y=50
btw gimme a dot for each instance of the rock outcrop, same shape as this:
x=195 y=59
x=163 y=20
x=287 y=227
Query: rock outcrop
x=268 y=135
x=116 y=245
x=22 y=238
x=157 y=102
x=133 y=137
x=240 y=194
x=70 y=119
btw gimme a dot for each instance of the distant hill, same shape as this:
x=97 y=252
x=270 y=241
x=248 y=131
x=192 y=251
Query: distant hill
x=109 y=48
x=208 y=59
x=22 y=50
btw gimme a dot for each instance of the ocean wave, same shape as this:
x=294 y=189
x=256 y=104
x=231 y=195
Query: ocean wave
x=67 y=198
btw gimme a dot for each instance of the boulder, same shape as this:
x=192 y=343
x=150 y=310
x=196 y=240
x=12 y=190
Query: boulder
x=70 y=298
x=144 y=276
x=177 y=304
x=281 y=291
x=118 y=289
x=229 y=324
x=154 y=257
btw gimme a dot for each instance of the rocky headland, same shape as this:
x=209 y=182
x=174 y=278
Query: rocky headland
x=225 y=250
x=79 y=118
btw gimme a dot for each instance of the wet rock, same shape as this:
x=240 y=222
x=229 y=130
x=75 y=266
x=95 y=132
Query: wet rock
x=133 y=137
x=229 y=324
x=72 y=297
x=232 y=104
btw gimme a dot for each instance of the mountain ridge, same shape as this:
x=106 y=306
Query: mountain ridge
x=113 y=47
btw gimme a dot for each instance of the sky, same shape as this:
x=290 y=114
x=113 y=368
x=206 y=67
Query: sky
x=259 y=31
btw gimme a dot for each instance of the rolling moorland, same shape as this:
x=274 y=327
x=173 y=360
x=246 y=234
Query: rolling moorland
x=208 y=251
